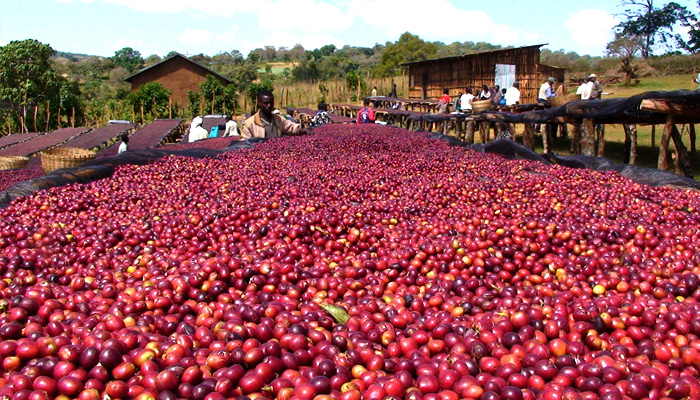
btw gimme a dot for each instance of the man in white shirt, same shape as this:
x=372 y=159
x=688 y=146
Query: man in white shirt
x=546 y=91
x=466 y=101
x=124 y=145
x=513 y=94
x=584 y=90
x=231 y=127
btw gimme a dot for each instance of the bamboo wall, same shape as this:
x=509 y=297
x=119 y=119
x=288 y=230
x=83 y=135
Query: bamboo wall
x=476 y=70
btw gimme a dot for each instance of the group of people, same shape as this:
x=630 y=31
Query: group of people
x=589 y=88
x=464 y=102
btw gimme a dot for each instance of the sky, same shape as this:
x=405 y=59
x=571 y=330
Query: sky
x=210 y=27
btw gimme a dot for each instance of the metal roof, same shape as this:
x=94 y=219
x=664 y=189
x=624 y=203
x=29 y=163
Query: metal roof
x=472 y=54
x=128 y=78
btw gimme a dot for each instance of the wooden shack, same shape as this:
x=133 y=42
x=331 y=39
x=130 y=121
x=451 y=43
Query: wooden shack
x=177 y=73
x=428 y=78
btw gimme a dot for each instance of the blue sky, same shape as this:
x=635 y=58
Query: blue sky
x=100 y=27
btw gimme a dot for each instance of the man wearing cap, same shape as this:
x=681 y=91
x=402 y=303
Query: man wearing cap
x=546 y=91
x=596 y=87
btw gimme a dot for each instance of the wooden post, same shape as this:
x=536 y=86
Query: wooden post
x=587 y=137
x=547 y=139
x=682 y=159
x=483 y=132
x=36 y=109
x=469 y=131
x=630 y=156
x=600 y=133
x=48 y=114
x=653 y=136
x=72 y=117
x=662 y=163
x=170 y=108
x=58 y=118
x=691 y=133
x=529 y=136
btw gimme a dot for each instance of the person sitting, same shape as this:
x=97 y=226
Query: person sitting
x=321 y=117
x=231 y=127
x=502 y=101
x=497 y=95
x=124 y=145
x=458 y=102
x=485 y=93
x=265 y=124
x=467 y=100
x=289 y=116
x=366 y=114
x=443 y=106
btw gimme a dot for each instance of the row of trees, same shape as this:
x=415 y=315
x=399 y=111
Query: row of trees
x=51 y=89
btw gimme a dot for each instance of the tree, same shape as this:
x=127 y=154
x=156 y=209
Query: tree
x=152 y=98
x=213 y=94
x=651 y=24
x=625 y=48
x=408 y=48
x=128 y=58
x=692 y=24
x=27 y=78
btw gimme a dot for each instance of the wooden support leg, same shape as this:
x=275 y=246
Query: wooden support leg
x=653 y=136
x=662 y=163
x=682 y=157
x=600 y=133
x=588 y=137
x=529 y=136
x=469 y=132
x=576 y=139
x=691 y=132
x=563 y=130
x=483 y=132
x=547 y=138
x=628 y=144
x=458 y=129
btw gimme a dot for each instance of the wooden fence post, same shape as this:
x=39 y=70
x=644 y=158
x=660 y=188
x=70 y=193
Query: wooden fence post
x=662 y=162
x=653 y=136
x=587 y=137
x=483 y=132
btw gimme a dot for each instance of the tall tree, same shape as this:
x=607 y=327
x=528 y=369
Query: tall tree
x=408 y=48
x=626 y=49
x=128 y=58
x=653 y=25
x=691 y=22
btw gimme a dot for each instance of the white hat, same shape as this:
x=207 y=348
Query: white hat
x=592 y=76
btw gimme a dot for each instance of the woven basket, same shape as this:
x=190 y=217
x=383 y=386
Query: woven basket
x=558 y=101
x=64 y=157
x=14 y=162
x=481 y=105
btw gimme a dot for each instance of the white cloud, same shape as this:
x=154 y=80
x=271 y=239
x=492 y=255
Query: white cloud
x=591 y=28
x=221 y=8
x=195 y=36
x=307 y=16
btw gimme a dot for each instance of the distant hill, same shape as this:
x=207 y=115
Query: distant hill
x=72 y=56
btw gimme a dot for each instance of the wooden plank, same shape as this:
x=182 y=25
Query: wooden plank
x=670 y=107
